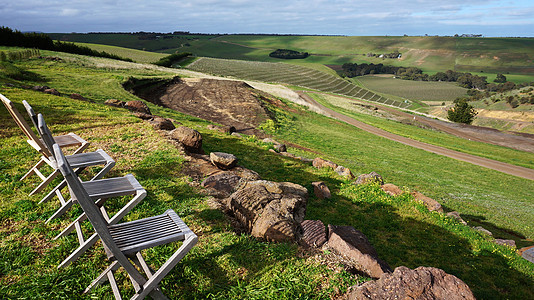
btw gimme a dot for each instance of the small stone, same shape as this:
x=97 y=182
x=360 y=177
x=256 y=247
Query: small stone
x=224 y=161
x=138 y=106
x=456 y=215
x=143 y=116
x=509 y=243
x=236 y=134
x=483 y=230
x=115 y=103
x=391 y=189
x=190 y=138
x=345 y=172
x=321 y=163
x=52 y=92
x=162 y=123
x=370 y=178
x=78 y=97
x=430 y=203
x=320 y=190
x=280 y=148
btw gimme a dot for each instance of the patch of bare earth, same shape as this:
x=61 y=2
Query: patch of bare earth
x=226 y=102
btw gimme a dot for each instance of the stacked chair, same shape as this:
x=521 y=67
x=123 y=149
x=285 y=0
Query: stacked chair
x=123 y=242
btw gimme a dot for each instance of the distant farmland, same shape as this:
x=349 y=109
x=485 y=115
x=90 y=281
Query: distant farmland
x=289 y=74
x=413 y=90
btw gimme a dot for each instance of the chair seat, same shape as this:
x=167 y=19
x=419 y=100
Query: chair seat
x=82 y=160
x=112 y=187
x=132 y=237
x=68 y=140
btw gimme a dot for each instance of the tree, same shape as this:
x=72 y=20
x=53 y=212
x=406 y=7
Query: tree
x=462 y=112
x=500 y=78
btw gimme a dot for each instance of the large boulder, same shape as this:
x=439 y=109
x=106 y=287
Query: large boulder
x=223 y=161
x=270 y=210
x=430 y=203
x=321 y=163
x=354 y=245
x=421 y=283
x=190 y=138
x=137 y=106
x=370 y=178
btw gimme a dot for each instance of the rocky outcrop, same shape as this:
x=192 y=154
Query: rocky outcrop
x=509 y=243
x=138 y=106
x=320 y=190
x=223 y=161
x=190 y=138
x=270 y=210
x=354 y=245
x=370 y=178
x=421 y=283
x=430 y=203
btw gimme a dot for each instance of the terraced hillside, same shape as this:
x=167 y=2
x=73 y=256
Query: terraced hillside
x=289 y=74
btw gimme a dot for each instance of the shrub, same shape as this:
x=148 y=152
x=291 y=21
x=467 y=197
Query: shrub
x=462 y=112
x=169 y=60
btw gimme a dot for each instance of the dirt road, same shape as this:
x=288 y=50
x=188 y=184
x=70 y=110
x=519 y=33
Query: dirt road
x=476 y=160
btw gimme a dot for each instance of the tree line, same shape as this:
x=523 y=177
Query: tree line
x=288 y=54
x=15 y=38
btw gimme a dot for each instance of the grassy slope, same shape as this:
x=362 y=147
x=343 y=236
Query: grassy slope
x=135 y=55
x=224 y=265
x=432 y=54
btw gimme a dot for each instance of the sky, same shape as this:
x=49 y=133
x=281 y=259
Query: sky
x=323 y=17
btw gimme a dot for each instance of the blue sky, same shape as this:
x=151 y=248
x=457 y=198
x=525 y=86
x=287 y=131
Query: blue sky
x=343 y=17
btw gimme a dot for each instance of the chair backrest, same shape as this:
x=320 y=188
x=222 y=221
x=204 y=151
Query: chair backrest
x=33 y=140
x=93 y=213
x=31 y=113
x=46 y=134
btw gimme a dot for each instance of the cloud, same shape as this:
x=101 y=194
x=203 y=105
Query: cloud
x=347 y=17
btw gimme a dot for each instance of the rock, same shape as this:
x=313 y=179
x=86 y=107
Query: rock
x=392 y=189
x=227 y=129
x=224 y=161
x=345 y=172
x=304 y=159
x=354 y=245
x=509 y=243
x=78 y=97
x=320 y=190
x=321 y=163
x=269 y=141
x=270 y=210
x=280 y=148
x=483 y=230
x=115 y=103
x=143 y=116
x=527 y=253
x=223 y=183
x=287 y=154
x=456 y=215
x=212 y=127
x=370 y=178
x=236 y=134
x=138 y=106
x=190 y=138
x=52 y=92
x=162 y=123
x=40 y=88
x=430 y=203
x=313 y=233
x=421 y=283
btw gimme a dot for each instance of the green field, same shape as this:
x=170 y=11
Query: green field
x=133 y=54
x=225 y=265
x=413 y=90
x=289 y=74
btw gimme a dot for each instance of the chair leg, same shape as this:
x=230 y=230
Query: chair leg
x=45 y=182
x=94 y=238
x=32 y=170
x=103 y=276
x=167 y=267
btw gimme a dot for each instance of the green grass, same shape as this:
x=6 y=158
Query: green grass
x=136 y=55
x=225 y=265
x=413 y=90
